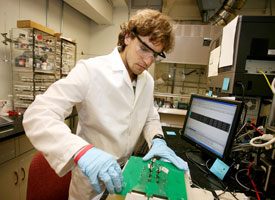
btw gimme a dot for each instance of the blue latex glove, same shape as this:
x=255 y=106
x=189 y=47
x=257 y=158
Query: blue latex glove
x=97 y=164
x=160 y=148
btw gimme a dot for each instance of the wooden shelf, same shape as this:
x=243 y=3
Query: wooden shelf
x=157 y=94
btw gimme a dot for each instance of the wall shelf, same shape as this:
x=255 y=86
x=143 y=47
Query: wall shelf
x=172 y=111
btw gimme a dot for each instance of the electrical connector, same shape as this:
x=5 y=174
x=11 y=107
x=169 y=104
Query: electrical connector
x=266 y=137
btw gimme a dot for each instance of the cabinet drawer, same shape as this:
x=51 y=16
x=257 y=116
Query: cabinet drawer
x=24 y=144
x=7 y=150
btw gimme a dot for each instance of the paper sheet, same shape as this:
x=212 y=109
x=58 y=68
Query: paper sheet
x=214 y=62
x=227 y=47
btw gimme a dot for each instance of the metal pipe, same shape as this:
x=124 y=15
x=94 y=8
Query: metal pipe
x=47 y=10
x=129 y=8
x=227 y=12
x=62 y=13
x=173 y=78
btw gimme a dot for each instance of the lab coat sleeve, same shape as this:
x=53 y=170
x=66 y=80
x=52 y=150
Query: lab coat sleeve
x=44 y=120
x=152 y=125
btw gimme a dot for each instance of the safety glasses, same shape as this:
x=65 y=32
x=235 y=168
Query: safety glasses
x=147 y=52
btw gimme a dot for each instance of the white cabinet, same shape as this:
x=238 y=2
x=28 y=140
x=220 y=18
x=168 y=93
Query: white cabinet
x=33 y=63
x=65 y=57
x=23 y=171
x=16 y=155
x=9 y=182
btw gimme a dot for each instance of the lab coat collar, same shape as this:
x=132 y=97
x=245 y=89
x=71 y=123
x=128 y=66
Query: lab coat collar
x=141 y=82
x=118 y=65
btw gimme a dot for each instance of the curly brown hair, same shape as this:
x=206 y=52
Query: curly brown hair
x=151 y=23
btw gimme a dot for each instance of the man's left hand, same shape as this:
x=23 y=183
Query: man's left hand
x=160 y=148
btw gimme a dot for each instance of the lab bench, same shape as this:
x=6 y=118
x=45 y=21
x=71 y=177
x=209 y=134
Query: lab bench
x=16 y=153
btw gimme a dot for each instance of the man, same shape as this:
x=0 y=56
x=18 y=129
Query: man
x=113 y=95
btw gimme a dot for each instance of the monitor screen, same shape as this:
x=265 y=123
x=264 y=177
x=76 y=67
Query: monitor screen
x=211 y=124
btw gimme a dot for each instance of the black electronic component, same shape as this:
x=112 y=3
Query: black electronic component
x=138 y=192
x=254 y=46
x=159 y=197
x=258 y=175
x=269 y=182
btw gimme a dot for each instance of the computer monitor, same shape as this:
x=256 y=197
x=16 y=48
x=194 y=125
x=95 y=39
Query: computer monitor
x=211 y=124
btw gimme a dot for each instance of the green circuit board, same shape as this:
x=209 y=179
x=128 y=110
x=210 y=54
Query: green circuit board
x=153 y=178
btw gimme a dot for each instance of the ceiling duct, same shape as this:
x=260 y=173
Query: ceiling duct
x=99 y=11
x=227 y=12
x=140 y=4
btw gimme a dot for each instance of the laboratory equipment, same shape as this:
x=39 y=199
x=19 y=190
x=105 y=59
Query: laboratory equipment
x=211 y=124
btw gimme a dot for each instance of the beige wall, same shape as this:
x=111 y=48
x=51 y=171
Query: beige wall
x=104 y=37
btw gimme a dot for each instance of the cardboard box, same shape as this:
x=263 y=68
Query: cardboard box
x=58 y=35
x=31 y=24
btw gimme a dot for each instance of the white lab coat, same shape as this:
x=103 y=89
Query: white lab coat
x=111 y=116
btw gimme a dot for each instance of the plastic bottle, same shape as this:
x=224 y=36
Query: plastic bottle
x=176 y=103
x=10 y=102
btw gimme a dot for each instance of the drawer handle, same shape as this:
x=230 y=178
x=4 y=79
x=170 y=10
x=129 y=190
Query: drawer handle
x=16 y=174
x=24 y=173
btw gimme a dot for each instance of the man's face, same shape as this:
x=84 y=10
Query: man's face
x=137 y=56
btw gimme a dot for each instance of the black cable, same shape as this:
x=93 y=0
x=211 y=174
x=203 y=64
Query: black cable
x=245 y=106
x=216 y=197
x=245 y=112
x=186 y=74
x=222 y=186
x=225 y=188
x=248 y=189
x=199 y=166
x=243 y=90
x=259 y=150
x=240 y=130
x=238 y=181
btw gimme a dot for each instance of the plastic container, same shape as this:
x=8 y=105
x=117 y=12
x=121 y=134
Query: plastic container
x=176 y=103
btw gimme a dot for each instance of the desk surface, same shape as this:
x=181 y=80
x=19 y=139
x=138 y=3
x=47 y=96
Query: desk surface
x=14 y=129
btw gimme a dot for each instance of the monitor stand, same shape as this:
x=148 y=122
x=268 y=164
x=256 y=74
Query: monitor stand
x=200 y=158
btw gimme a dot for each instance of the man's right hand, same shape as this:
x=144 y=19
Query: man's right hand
x=97 y=164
